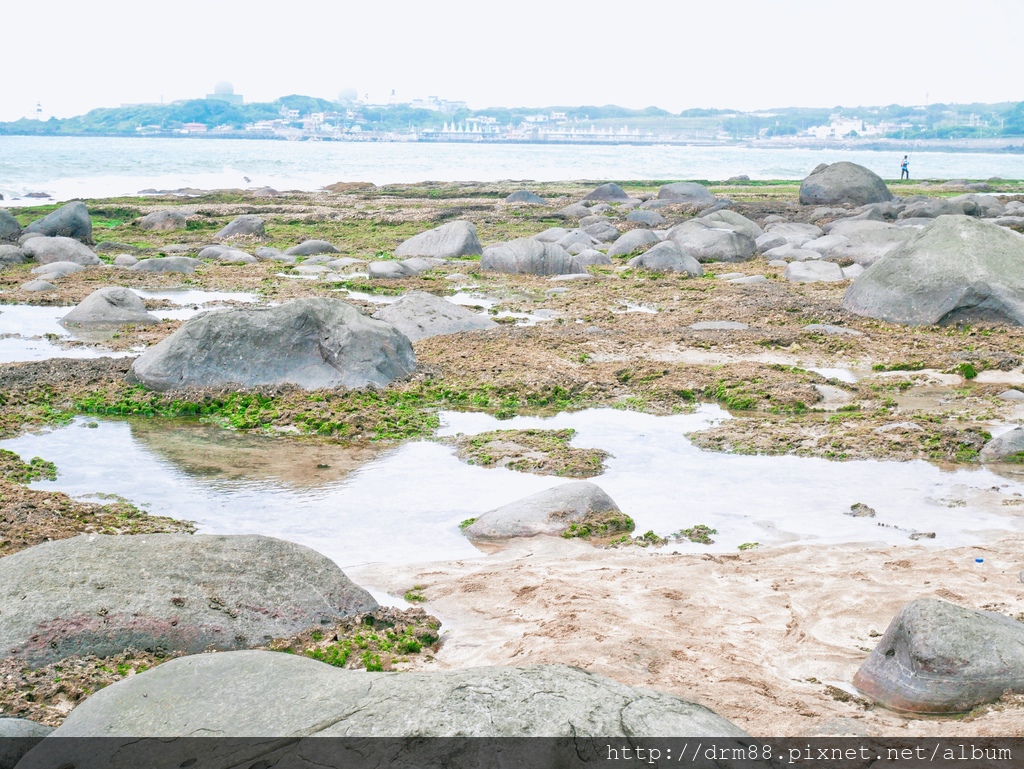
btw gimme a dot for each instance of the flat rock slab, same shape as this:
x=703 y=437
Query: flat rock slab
x=419 y=315
x=312 y=343
x=301 y=697
x=99 y=594
x=936 y=657
x=448 y=241
x=825 y=328
x=182 y=264
x=111 y=306
x=547 y=512
x=719 y=325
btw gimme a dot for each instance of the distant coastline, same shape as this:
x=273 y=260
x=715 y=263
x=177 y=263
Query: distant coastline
x=1003 y=144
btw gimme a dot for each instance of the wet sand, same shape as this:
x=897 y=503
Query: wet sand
x=758 y=636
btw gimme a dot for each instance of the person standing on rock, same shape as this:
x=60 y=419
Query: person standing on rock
x=905 y=169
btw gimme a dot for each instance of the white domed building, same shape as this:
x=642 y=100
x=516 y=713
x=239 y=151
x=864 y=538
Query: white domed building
x=224 y=91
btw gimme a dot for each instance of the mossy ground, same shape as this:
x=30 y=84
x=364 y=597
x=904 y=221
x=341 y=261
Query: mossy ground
x=544 y=452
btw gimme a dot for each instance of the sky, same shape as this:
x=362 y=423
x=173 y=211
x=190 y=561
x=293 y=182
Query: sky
x=673 y=54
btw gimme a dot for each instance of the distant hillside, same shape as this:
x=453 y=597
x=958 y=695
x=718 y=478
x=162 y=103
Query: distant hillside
x=936 y=121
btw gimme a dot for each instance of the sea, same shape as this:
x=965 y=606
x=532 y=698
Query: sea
x=94 y=167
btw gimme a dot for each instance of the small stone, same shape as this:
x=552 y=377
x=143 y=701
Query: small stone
x=860 y=510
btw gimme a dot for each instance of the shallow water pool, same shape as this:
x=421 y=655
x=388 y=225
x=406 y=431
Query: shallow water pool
x=404 y=505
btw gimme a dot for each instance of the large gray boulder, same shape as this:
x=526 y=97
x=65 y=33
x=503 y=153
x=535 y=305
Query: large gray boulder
x=711 y=244
x=936 y=657
x=864 y=242
x=312 y=343
x=10 y=230
x=45 y=249
x=688 y=194
x=633 y=241
x=245 y=226
x=529 y=256
x=17 y=737
x=739 y=222
x=11 y=255
x=182 y=264
x=419 y=315
x=959 y=268
x=605 y=232
x=69 y=221
x=932 y=208
x=646 y=218
x=610 y=192
x=793 y=233
x=53 y=270
x=574 y=211
x=311 y=247
x=1008 y=447
x=667 y=256
x=841 y=184
x=547 y=512
x=110 y=306
x=164 y=220
x=525 y=197
x=589 y=256
x=101 y=594
x=301 y=697
x=445 y=242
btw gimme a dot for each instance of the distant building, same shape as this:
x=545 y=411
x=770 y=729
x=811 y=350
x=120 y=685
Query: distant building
x=224 y=91
x=193 y=128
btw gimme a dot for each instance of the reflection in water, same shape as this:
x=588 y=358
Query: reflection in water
x=209 y=451
x=404 y=504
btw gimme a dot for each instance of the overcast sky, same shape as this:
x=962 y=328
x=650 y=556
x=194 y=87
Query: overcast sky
x=674 y=54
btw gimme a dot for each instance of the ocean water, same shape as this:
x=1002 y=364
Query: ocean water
x=70 y=167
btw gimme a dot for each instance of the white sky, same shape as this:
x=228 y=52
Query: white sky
x=675 y=54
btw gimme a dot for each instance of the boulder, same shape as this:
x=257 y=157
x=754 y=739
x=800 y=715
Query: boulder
x=788 y=253
x=110 y=306
x=388 y=271
x=312 y=343
x=813 y=272
x=739 y=222
x=163 y=220
x=865 y=241
x=10 y=230
x=711 y=244
x=1008 y=447
x=633 y=241
x=212 y=252
x=525 y=197
x=69 y=221
x=586 y=221
x=311 y=247
x=688 y=194
x=552 y=234
x=794 y=233
x=577 y=238
x=102 y=594
x=607 y=192
x=266 y=253
x=17 y=737
x=825 y=243
x=11 y=255
x=46 y=249
x=605 y=232
x=574 y=211
x=932 y=208
x=303 y=697
x=667 y=256
x=27 y=236
x=182 y=264
x=841 y=184
x=547 y=512
x=748 y=280
x=529 y=256
x=38 y=286
x=419 y=315
x=589 y=256
x=57 y=269
x=646 y=218
x=235 y=256
x=450 y=240
x=246 y=226
x=936 y=657
x=125 y=260
x=958 y=269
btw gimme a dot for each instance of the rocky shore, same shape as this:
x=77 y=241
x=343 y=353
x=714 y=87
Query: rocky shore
x=842 y=318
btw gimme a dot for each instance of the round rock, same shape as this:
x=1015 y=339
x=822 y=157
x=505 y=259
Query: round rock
x=46 y=249
x=548 y=512
x=841 y=184
x=108 y=307
x=448 y=241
